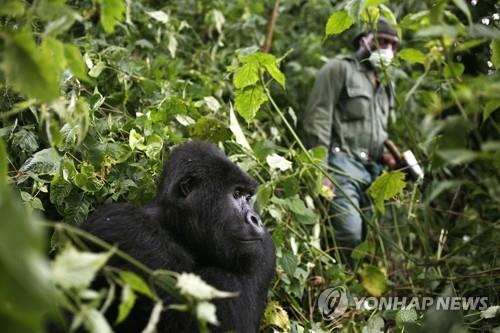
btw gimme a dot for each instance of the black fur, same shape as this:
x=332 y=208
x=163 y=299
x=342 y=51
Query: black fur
x=202 y=222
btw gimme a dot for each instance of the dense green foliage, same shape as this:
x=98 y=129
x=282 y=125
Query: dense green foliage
x=95 y=93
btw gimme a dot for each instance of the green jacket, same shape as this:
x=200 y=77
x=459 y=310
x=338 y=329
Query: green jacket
x=346 y=112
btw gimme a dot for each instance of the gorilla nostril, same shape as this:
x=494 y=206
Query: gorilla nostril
x=253 y=219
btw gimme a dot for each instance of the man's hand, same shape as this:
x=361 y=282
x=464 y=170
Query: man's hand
x=328 y=183
x=389 y=160
x=328 y=189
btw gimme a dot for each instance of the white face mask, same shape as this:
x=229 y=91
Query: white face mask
x=381 y=58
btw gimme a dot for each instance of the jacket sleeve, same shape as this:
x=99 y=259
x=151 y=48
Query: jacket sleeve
x=318 y=117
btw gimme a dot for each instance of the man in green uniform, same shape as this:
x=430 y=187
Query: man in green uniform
x=347 y=113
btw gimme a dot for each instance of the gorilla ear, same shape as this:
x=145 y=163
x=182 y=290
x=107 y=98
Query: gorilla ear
x=186 y=185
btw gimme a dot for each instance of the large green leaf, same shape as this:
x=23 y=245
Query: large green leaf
x=255 y=63
x=59 y=189
x=25 y=140
x=87 y=180
x=28 y=68
x=249 y=100
x=24 y=271
x=373 y=279
x=406 y=316
x=277 y=316
x=385 y=187
x=303 y=214
x=374 y=325
x=75 y=62
x=246 y=75
x=412 y=56
x=112 y=12
x=43 y=162
x=276 y=74
x=338 y=22
x=76 y=209
x=12 y=7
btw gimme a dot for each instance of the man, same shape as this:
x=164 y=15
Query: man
x=347 y=113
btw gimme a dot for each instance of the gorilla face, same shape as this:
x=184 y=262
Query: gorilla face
x=252 y=229
x=244 y=228
x=216 y=199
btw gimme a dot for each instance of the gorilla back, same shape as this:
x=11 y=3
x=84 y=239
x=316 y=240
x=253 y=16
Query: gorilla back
x=201 y=221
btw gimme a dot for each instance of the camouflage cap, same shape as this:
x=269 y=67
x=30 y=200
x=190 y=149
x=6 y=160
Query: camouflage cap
x=383 y=26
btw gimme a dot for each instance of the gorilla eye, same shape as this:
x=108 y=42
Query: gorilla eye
x=186 y=186
x=238 y=193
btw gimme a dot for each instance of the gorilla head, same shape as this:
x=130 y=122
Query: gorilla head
x=208 y=200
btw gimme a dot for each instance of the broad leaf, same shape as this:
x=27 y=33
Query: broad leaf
x=246 y=75
x=275 y=72
x=59 y=189
x=373 y=279
x=25 y=140
x=374 y=325
x=96 y=70
x=112 y=12
x=303 y=214
x=159 y=16
x=276 y=161
x=406 y=316
x=75 y=62
x=385 y=187
x=338 y=22
x=12 y=8
x=412 y=56
x=74 y=269
x=43 y=162
x=135 y=139
x=363 y=249
x=28 y=68
x=25 y=288
x=277 y=316
x=248 y=101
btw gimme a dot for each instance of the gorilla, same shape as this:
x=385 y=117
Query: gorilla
x=202 y=221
